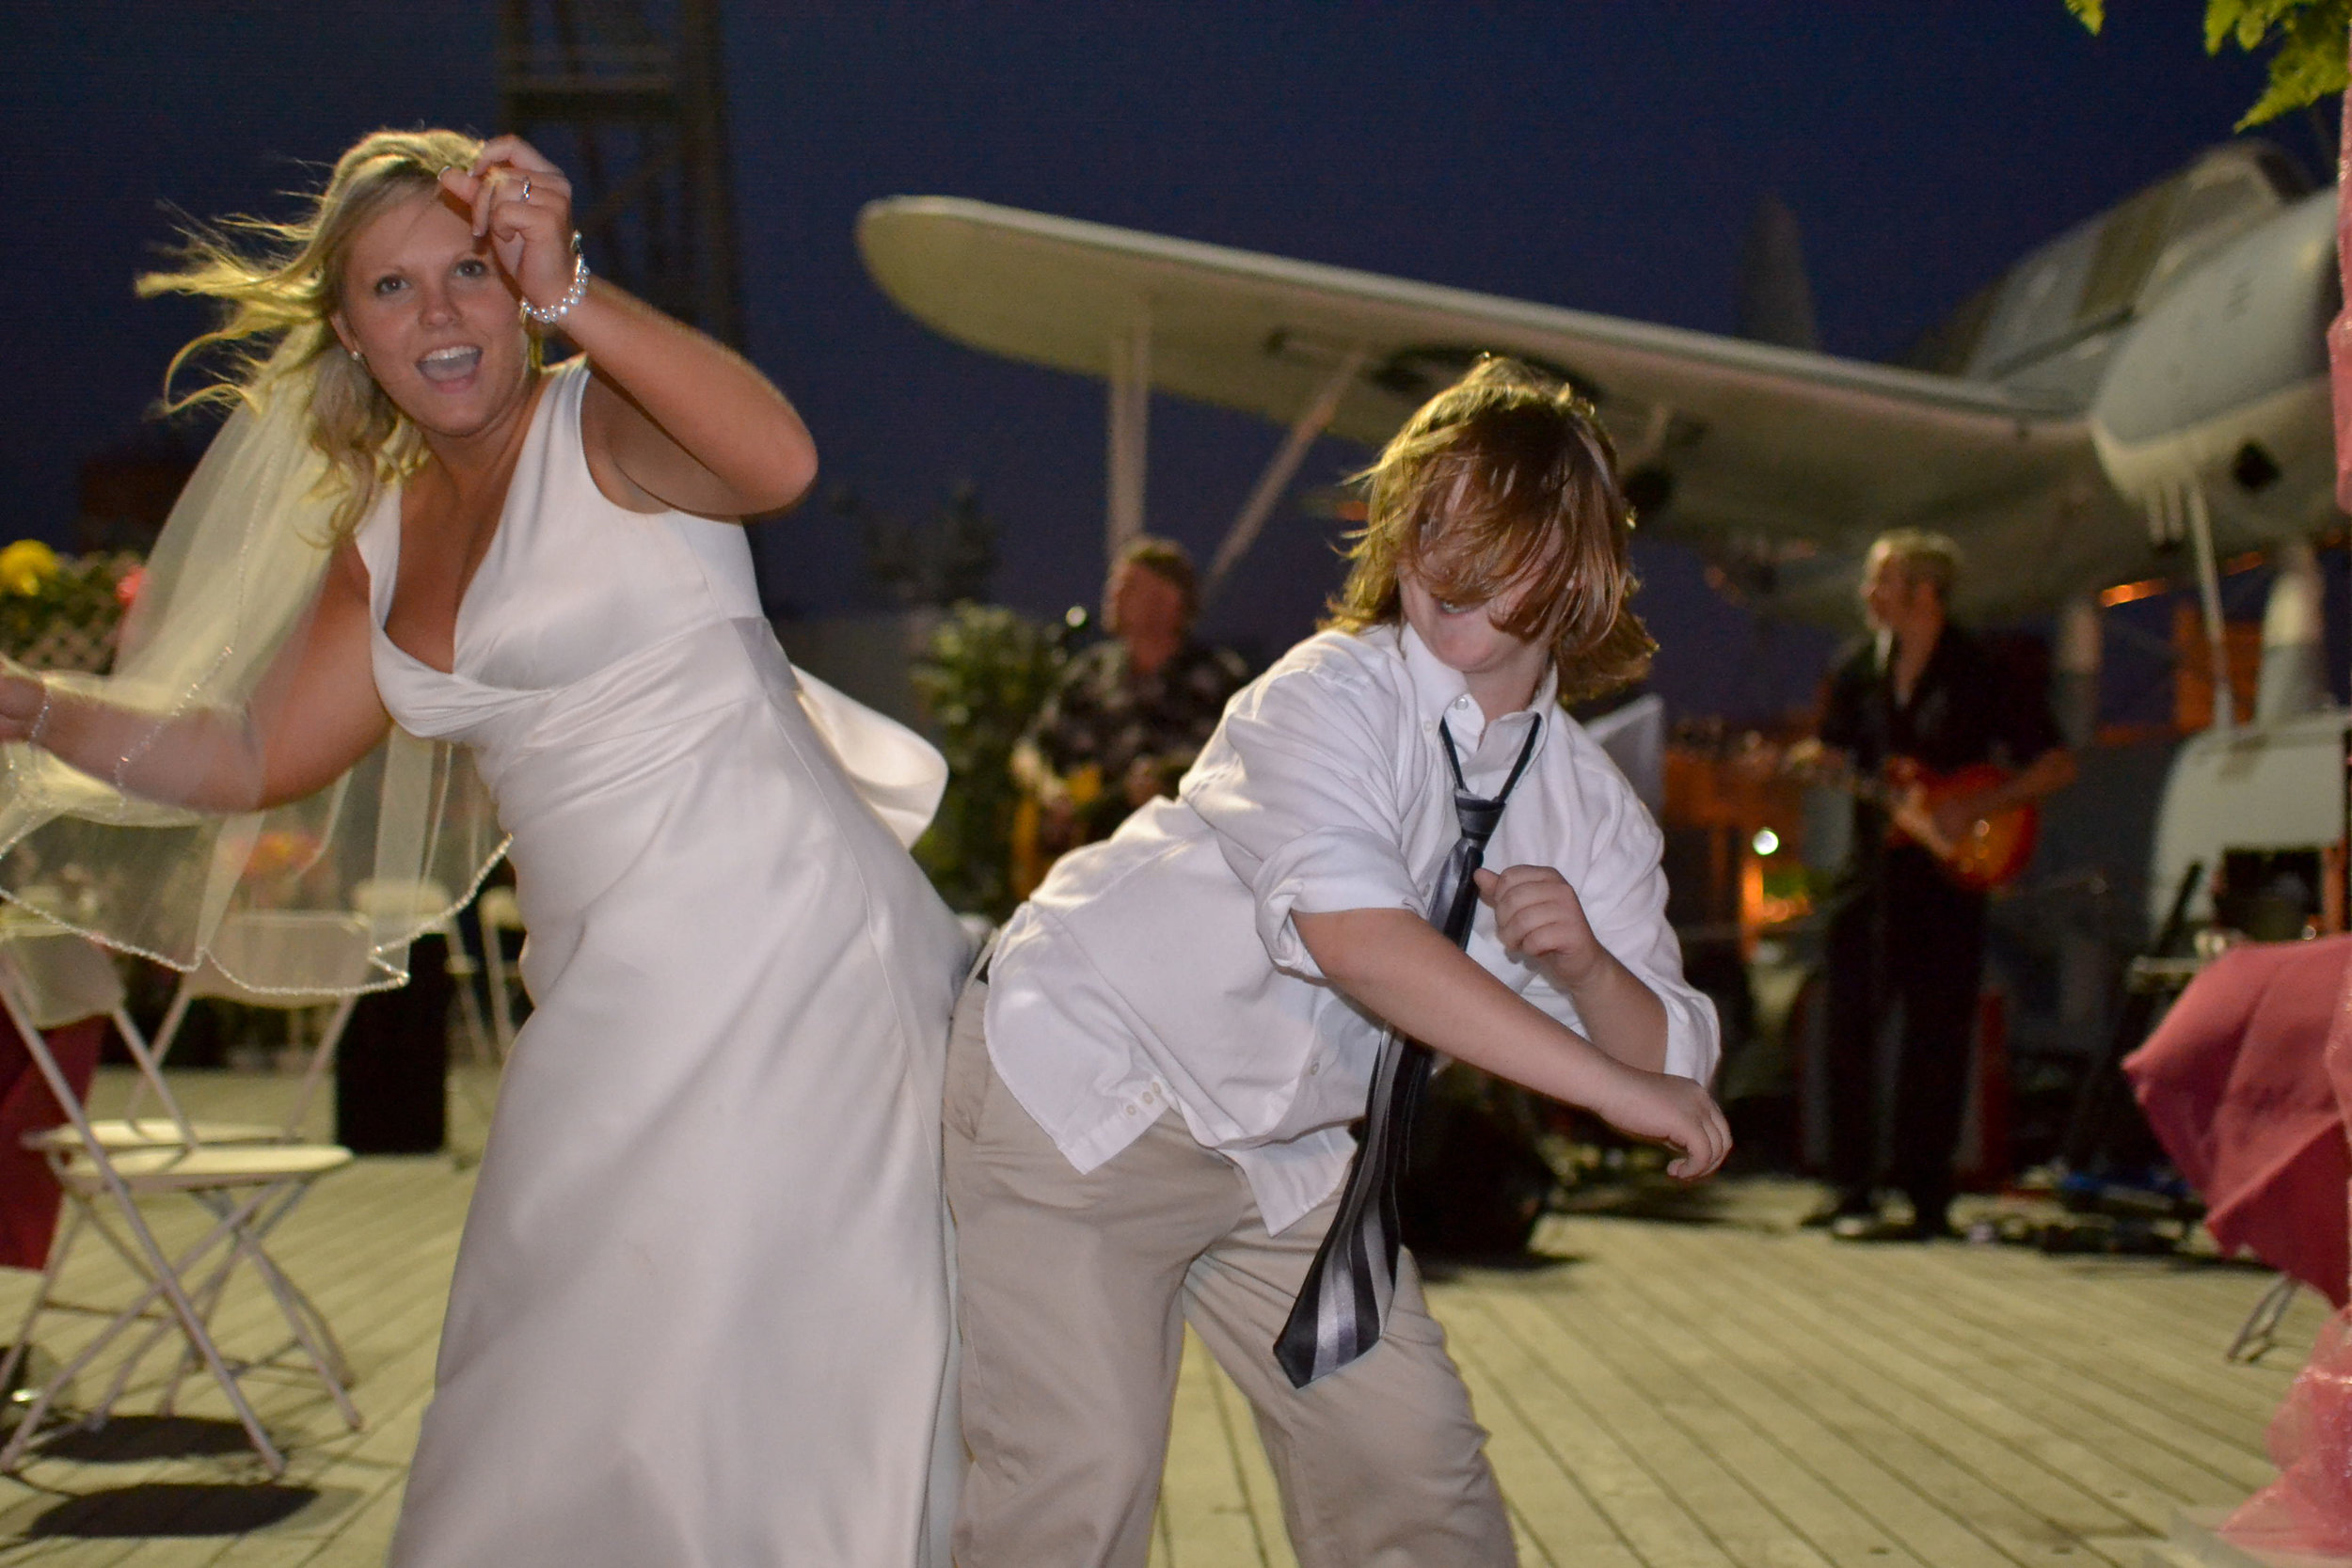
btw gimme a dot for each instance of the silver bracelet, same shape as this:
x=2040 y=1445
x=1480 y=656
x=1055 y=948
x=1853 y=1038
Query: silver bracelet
x=41 y=719
x=573 y=295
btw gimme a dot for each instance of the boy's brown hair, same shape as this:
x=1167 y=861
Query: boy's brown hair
x=1505 y=478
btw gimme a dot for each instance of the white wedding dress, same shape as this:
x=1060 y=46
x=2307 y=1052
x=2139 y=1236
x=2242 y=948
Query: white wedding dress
x=700 y=1317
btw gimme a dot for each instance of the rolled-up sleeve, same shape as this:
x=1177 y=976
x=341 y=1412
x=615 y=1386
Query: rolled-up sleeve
x=1301 y=789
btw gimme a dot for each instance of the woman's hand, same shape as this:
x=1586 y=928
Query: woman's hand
x=22 y=699
x=524 y=203
x=673 y=418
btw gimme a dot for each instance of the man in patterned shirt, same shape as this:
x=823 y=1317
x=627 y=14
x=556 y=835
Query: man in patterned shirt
x=1130 y=713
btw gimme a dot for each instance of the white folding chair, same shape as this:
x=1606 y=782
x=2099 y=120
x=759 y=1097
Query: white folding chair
x=498 y=913
x=280 y=960
x=49 y=977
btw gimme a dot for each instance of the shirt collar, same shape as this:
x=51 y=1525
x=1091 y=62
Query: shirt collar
x=1441 y=693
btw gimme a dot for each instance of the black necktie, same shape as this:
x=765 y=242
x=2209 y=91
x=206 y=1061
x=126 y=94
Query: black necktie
x=1344 y=1301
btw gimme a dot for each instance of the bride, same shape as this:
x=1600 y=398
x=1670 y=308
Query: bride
x=700 y=1312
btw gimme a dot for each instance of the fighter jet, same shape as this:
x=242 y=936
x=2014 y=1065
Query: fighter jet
x=2140 y=398
x=2060 y=423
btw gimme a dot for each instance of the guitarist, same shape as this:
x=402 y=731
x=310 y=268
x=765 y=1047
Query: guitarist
x=1917 y=695
x=1128 y=714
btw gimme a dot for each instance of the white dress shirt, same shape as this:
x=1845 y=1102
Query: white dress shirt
x=1161 y=965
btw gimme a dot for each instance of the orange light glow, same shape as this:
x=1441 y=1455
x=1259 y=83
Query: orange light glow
x=2127 y=592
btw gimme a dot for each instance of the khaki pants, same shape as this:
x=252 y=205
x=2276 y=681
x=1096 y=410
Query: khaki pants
x=1074 y=1293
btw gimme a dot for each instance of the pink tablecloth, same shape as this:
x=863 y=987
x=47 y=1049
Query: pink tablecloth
x=2308 y=1509
x=2235 y=1082
x=29 y=1198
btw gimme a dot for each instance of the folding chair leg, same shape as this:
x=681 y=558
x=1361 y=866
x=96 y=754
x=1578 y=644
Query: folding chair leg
x=241 y=1228
x=502 y=1003
x=161 y=1280
x=337 y=1362
x=149 y=1055
x=335 y=1366
x=204 y=1297
x=2261 y=1328
x=29 y=1426
x=193 y=1346
x=320 y=1060
x=247 y=1225
x=207 y=1299
x=21 y=1349
x=464 y=976
x=299 y=1316
x=149 y=1062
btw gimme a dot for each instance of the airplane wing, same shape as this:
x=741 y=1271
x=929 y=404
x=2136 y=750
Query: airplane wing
x=1776 y=463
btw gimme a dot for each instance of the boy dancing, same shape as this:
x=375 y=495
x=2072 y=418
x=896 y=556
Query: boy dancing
x=1150 y=1091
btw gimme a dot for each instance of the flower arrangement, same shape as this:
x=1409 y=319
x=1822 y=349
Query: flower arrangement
x=62 y=613
x=283 y=861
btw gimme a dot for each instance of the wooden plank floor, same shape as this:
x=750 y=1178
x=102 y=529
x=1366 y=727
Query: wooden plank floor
x=1687 y=1382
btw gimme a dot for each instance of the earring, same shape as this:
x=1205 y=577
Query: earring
x=360 y=356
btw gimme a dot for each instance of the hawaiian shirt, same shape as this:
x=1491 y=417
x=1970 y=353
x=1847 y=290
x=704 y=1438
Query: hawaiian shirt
x=1102 y=714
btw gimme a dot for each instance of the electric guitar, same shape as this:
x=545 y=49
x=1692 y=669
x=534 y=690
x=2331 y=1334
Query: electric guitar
x=1993 y=851
x=1034 y=843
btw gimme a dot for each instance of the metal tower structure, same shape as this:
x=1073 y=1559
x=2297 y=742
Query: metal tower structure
x=629 y=96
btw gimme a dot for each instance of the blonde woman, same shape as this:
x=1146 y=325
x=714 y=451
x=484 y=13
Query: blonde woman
x=700 y=1312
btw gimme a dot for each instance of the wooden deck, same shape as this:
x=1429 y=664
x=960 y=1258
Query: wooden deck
x=1688 y=1384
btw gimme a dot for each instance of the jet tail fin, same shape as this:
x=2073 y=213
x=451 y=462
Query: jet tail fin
x=1775 y=298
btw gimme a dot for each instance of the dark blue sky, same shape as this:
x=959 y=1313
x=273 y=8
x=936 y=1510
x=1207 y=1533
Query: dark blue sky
x=1606 y=156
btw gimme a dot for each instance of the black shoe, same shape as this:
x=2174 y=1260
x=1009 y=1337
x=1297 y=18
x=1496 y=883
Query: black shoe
x=1878 y=1228
x=1934 y=1214
x=1851 y=1204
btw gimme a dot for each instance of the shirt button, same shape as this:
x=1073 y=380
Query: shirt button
x=1131 y=1110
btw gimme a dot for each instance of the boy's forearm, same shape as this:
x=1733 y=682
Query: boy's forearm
x=1402 y=969
x=1622 y=1015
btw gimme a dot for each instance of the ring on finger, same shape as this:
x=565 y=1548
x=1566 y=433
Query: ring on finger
x=526 y=196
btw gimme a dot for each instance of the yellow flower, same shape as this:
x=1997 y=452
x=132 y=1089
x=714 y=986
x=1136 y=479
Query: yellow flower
x=25 y=565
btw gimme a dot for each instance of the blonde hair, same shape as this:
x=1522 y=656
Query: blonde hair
x=1924 y=556
x=279 y=296
x=1505 y=479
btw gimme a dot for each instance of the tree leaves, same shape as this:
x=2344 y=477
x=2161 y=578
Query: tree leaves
x=2309 y=62
x=2308 y=40
x=982 y=676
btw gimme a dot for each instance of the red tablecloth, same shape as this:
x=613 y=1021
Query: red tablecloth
x=29 y=1198
x=2235 y=1083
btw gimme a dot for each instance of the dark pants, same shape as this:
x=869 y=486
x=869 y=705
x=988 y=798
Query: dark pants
x=1903 y=937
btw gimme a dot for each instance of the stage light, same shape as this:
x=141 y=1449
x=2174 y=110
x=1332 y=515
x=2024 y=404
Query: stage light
x=1766 y=841
x=2129 y=592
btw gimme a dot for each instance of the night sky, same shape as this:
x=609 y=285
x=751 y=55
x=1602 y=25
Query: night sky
x=1605 y=156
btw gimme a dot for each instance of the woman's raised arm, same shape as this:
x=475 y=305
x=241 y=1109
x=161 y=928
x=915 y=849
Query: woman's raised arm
x=675 y=420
